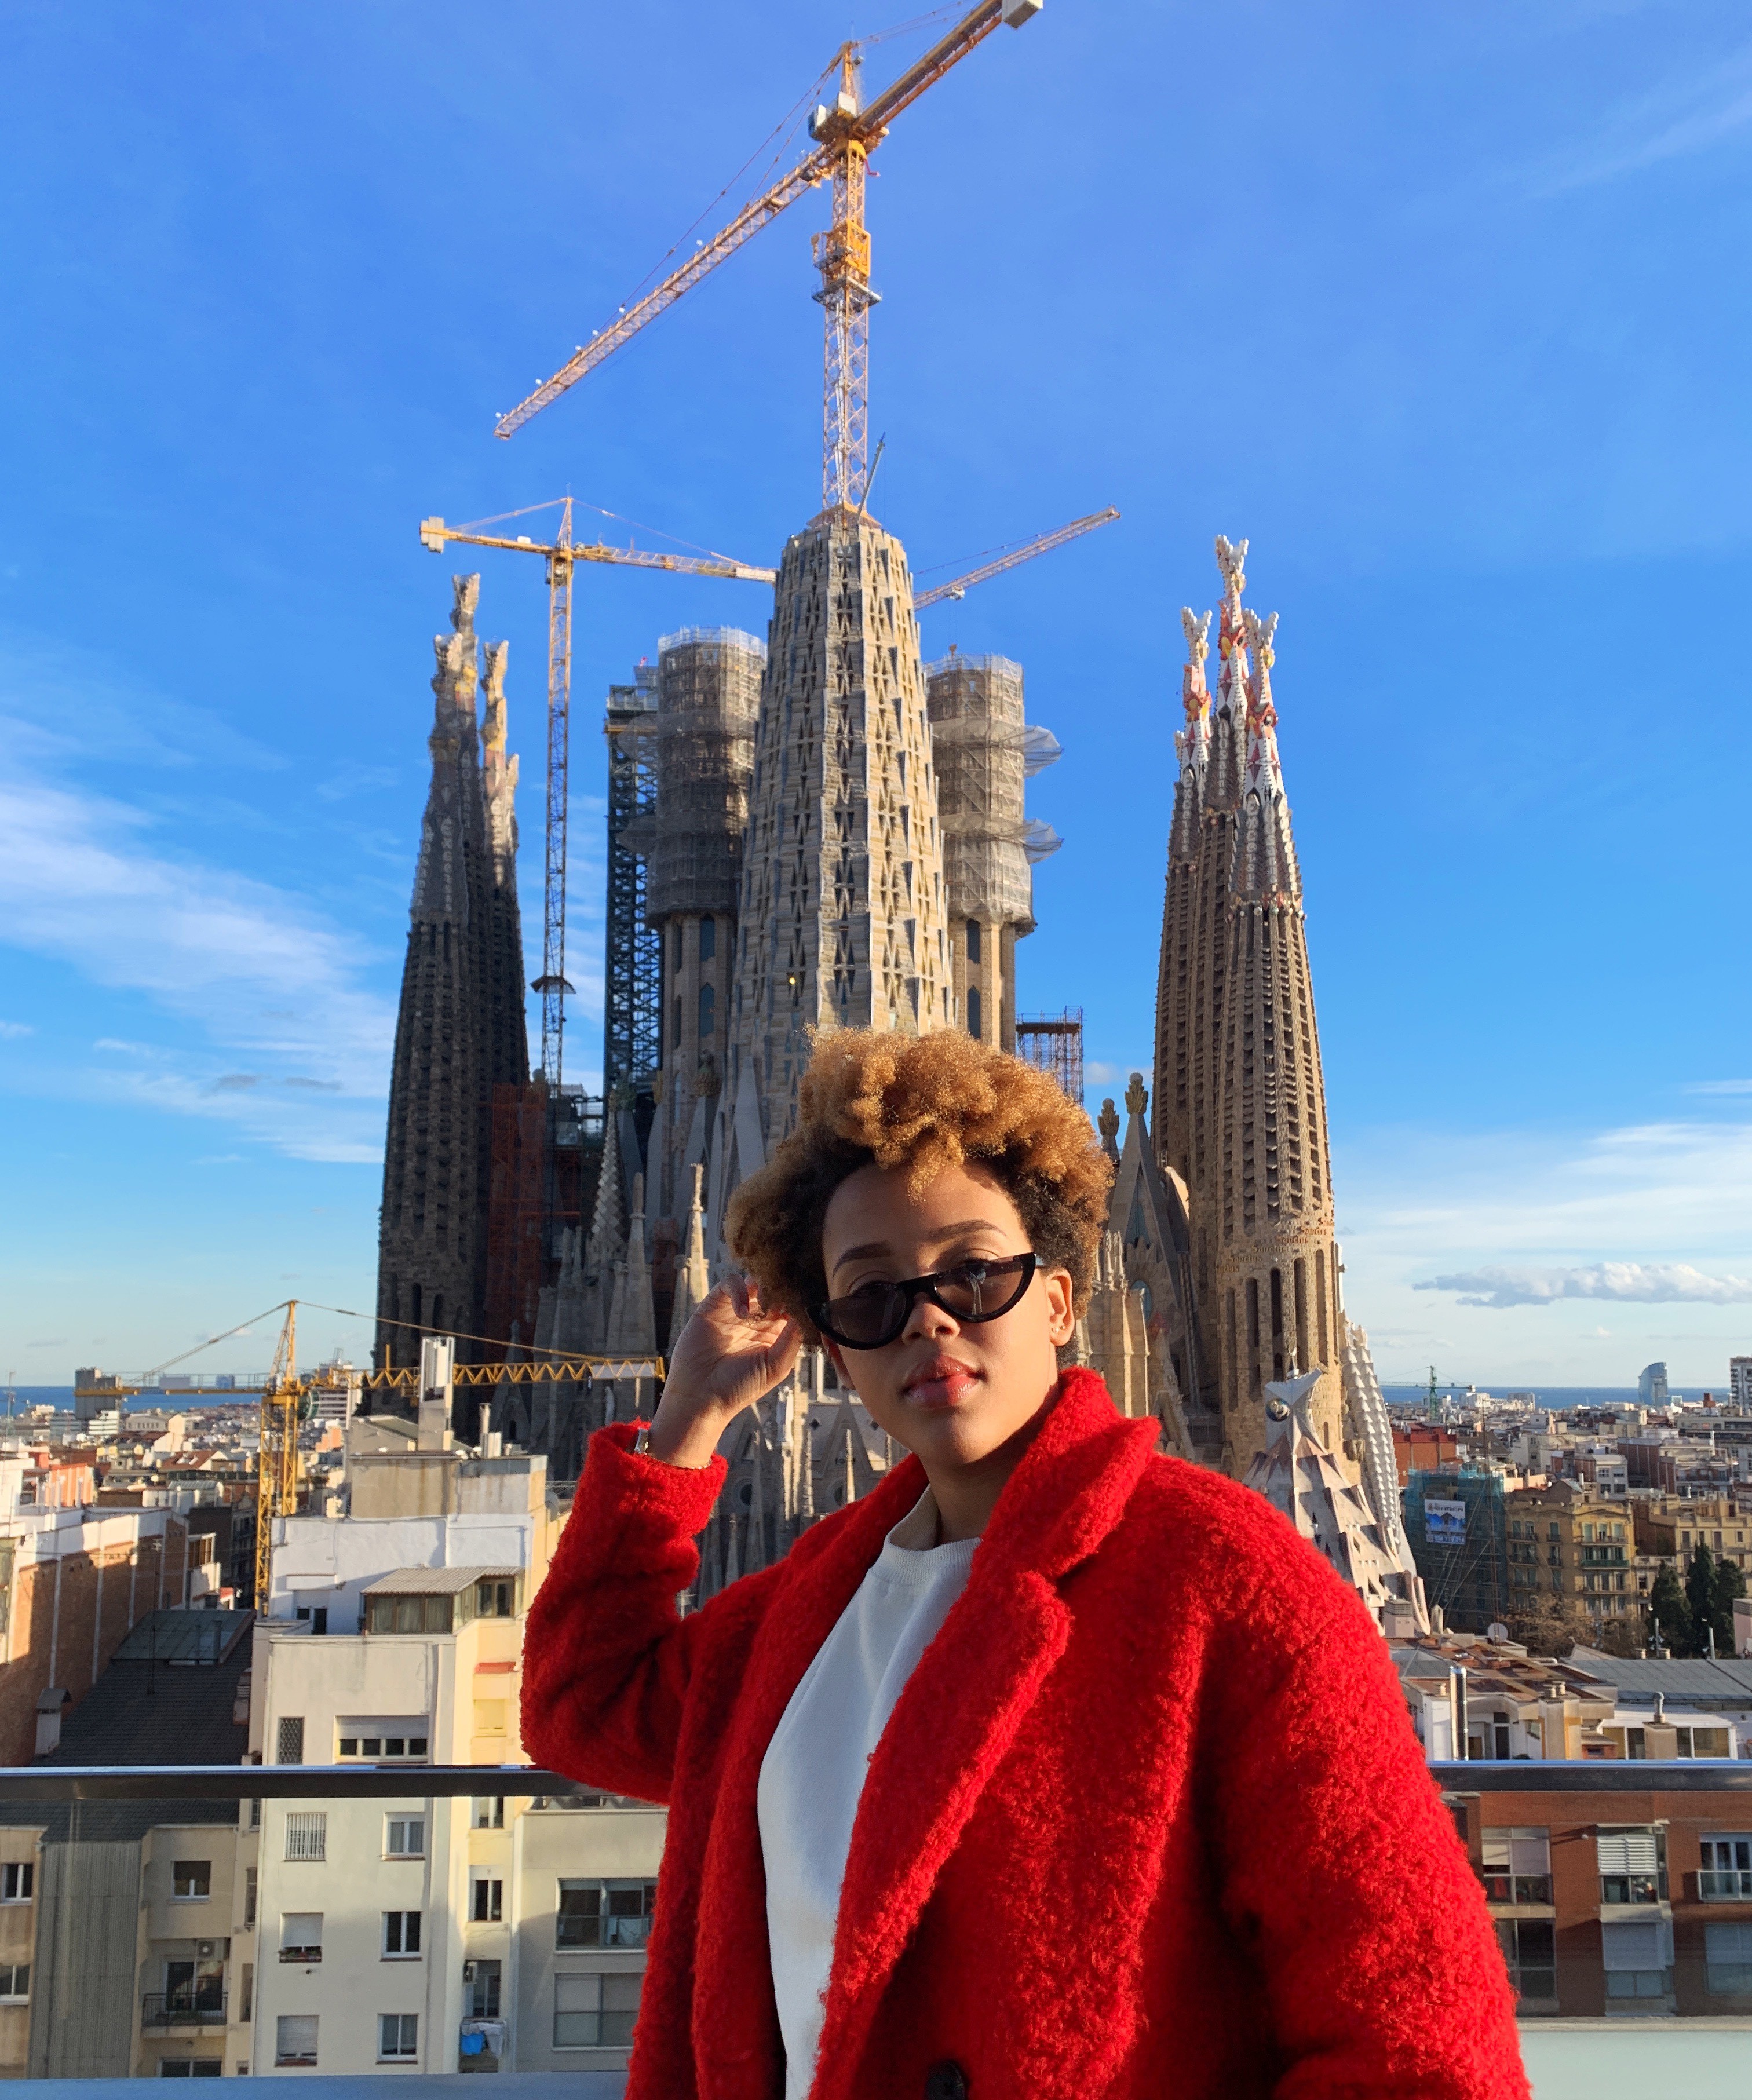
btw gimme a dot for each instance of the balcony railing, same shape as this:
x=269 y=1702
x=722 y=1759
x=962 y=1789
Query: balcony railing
x=572 y=2015
x=162 y=2008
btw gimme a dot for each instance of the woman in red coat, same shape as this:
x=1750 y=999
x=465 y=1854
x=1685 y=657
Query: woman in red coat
x=1053 y=1769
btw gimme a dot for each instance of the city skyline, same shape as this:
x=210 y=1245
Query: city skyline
x=1479 y=495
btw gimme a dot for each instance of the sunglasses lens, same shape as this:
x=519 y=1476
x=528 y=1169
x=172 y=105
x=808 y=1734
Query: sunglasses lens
x=867 y=1318
x=982 y=1290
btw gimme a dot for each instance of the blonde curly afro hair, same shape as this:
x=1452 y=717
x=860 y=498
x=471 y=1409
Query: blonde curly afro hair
x=922 y=1103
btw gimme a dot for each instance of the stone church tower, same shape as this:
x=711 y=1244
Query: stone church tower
x=843 y=920
x=460 y=1027
x=1241 y=1106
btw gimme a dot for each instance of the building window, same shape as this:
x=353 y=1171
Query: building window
x=408 y=1615
x=489 y=1716
x=191 y=1880
x=249 y=1885
x=398 y=2036
x=972 y=941
x=14 y=1981
x=290 y=1740
x=307 y=1834
x=487 y=1907
x=383 y=1741
x=1529 y=1950
x=480 y=1990
x=708 y=1010
x=190 y=2066
x=1727 y=1953
x=404 y=1837
x=976 y=1018
x=18 y=1877
x=195 y=1991
x=1517 y=1865
x=489 y=1811
x=301 y=1935
x=496 y=1599
x=295 y=2038
x=1632 y=1866
x=707 y=939
x=595 y=2012
x=401 y=1934
x=1727 y=1871
x=604 y=1913
x=1638 y=1954
x=246 y=1992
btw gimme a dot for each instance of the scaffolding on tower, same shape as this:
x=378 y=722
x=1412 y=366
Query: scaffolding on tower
x=1054 y=1041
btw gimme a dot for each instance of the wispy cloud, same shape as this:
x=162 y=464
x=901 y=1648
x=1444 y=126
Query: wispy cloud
x=1719 y=1087
x=261 y=982
x=11 y=1030
x=1673 y=122
x=1633 y=1282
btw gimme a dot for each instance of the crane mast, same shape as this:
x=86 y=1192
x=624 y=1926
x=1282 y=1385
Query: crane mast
x=277 y=1465
x=845 y=136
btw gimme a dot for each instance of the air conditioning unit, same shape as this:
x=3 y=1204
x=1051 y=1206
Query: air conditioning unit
x=468 y=1972
x=205 y=1949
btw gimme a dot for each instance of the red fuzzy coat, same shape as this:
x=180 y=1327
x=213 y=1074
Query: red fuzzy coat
x=1148 y=1819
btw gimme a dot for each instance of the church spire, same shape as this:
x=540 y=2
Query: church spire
x=1265 y=863
x=1174 y=975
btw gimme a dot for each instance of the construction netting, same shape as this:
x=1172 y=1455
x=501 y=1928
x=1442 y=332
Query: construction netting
x=708 y=693
x=983 y=752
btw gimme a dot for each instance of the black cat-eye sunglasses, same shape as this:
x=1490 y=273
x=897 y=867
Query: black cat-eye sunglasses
x=877 y=1313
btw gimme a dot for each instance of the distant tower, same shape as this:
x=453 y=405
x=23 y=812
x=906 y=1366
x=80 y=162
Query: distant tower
x=630 y=970
x=1175 y=1002
x=1277 y=1300
x=984 y=751
x=1210 y=932
x=843 y=915
x=459 y=1028
x=708 y=693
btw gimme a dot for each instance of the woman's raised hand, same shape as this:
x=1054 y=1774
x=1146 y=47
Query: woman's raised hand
x=731 y=1354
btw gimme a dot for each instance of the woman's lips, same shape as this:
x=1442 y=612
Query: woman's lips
x=942 y=1383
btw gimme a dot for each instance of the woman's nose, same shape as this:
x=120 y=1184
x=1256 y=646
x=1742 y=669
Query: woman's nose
x=928 y=1321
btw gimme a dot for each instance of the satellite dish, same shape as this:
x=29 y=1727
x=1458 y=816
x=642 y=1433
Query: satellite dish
x=1496 y=1630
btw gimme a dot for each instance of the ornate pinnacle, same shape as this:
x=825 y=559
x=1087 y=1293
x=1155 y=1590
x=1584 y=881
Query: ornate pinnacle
x=1261 y=714
x=1231 y=557
x=1195 y=694
x=493 y=728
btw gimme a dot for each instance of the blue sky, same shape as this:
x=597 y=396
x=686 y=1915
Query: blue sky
x=1439 y=305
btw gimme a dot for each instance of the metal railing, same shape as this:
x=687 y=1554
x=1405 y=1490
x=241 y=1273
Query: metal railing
x=162 y=2009
x=1724 y=1884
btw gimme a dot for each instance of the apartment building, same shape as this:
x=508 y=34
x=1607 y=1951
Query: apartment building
x=74 y=1579
x=1641 y=1911
x=116 y=1919
x=1569 y=1542
x=417 y=1932
x=1672 y=1527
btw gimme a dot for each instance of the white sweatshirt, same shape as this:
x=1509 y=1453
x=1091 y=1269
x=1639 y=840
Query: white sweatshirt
x=813 y=1771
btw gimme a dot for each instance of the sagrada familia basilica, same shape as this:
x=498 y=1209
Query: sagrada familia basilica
x=838 y=839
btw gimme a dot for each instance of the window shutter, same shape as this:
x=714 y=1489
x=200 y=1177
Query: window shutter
x=1627 y=1851
x=301 y=1928
x=1633 y=1945
x=1530 y=1856
x=1728 y=1942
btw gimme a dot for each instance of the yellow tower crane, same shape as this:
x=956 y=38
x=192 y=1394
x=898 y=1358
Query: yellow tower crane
x=846 y=131
x=277 y=1465
x=1014 y=558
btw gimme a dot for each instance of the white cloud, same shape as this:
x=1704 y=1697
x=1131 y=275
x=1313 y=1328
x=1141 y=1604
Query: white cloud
x=10 y=1030
x=1719 y=1087
x=1635 y=1282
x=1673 y=122
x=254 y=975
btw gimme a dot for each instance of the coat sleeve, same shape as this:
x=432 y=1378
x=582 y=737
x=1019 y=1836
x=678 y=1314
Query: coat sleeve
x=1344 y=1872
x=607 y=1660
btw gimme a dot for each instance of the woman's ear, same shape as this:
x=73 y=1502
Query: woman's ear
x=1060 y=1302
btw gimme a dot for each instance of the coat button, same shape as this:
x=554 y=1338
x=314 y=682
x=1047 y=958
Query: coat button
x=945 y=2081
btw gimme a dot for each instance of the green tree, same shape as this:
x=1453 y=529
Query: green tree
x=1668 y=1608
x=1700 y=1597
x=1730 y=1582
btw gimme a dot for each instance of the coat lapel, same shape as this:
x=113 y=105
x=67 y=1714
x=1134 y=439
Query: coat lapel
x=735 y=2021
x=972 y=1690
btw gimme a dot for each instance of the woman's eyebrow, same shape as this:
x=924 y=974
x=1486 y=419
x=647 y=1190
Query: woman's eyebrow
x=940 y=1236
